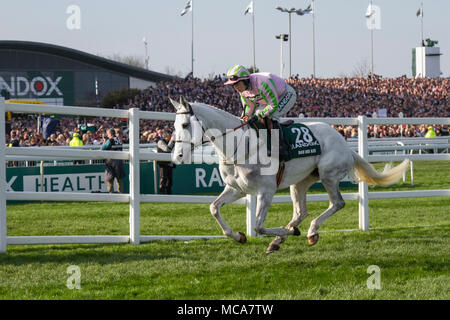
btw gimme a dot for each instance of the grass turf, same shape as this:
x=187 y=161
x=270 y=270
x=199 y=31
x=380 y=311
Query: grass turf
x=409 y=242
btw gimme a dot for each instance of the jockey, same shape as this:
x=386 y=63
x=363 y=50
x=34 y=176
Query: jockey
x=263 y=96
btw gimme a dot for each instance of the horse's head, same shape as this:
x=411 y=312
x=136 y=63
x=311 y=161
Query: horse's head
x=186 y=132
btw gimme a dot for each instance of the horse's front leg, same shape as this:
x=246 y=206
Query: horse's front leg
x=262 y=208
x=228 y=195
x=298 y=196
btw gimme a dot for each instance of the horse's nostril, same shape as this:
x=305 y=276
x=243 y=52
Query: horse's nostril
x=180 y=155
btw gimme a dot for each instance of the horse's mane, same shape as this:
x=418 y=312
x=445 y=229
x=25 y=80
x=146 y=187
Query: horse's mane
x=209 y=108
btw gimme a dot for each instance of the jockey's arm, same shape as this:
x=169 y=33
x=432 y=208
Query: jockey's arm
x=249 y=108
x=270 y=96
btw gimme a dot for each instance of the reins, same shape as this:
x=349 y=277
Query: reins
x=229 y=131
x=213 y=138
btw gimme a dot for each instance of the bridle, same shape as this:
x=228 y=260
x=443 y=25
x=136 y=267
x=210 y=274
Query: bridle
x=193 y=145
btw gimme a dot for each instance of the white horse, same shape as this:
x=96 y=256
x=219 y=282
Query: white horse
x=331 y=166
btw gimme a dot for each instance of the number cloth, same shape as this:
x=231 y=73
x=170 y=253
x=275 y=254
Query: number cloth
x=299 y=139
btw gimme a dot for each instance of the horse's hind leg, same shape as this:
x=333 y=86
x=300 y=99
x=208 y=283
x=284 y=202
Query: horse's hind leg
x=228 y=195
x=300 y=212
x=298 y=196
x=336 y=204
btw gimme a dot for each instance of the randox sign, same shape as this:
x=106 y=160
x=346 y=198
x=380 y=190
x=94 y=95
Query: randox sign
x=38 y=86
x=58 y=85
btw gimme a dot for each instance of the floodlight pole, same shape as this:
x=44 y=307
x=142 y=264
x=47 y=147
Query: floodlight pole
x=282 y=38
x=371 y=38
x=146 y=53
x=192 y=39
x=290 y=46
x=254 y=48
x=289 y=11
x=314 y=39
x=421 y=24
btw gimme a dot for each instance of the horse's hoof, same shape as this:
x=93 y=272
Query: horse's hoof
x=296 y=231
x=312 y=240
x=272 y=248
x=242 y=238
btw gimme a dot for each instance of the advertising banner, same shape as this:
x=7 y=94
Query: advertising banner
x=52 y=87
x=187 y=179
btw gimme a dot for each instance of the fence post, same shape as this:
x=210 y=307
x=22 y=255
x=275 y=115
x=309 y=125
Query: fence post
x=251 y=215
x=155 y=176
x=363 y=189
x=2 y=178
x=134 y=177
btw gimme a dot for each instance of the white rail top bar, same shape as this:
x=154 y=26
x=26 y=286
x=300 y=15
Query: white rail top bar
x=155 y=156
x=75 y=111
x=76 y=154
x=409 y=194
x=400 y=139
x=408 y=120
x=407 y=147
x=346 y=121
x=154 y=115
x=412 y=157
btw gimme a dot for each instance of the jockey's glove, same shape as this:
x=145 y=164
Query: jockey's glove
x=252 y=120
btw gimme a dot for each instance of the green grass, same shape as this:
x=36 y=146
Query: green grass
x=428 y=175
x=408 y=241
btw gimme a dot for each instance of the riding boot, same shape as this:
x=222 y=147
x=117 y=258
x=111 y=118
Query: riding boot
x=269 y=126
x=284 y=154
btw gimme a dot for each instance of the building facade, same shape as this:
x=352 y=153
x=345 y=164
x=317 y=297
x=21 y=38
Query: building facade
x=63 y=76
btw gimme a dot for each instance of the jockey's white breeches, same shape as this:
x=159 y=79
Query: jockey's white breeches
x=285 y=104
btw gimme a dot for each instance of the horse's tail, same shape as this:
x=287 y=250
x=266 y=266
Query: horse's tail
x=366 y=172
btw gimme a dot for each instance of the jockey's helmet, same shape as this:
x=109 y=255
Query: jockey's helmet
x=237 y=73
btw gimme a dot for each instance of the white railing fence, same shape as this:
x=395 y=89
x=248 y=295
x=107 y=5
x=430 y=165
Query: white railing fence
x=134 y=155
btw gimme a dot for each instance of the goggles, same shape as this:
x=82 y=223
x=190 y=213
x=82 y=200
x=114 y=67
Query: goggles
x=233 y=78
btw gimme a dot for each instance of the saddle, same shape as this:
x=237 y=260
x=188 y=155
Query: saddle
x=287 y=123
x=296 y=139
x=267 y=123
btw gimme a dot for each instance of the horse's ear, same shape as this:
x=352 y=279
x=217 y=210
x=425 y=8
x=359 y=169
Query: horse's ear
x=185 y=103
x=175 y=104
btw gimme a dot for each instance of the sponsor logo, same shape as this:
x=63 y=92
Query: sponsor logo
x=83 y=182
x=37 y=86
x=203 y=181
x=284 y=101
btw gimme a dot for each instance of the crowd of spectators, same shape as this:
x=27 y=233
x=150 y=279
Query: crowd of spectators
x=351 y=97
x=337 y=97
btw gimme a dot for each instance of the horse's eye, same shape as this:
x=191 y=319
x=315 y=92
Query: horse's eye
x=185 y=125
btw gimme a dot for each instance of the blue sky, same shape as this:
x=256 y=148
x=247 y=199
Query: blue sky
x=223 y=35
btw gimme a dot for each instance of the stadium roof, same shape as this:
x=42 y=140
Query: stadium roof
x=84 y=57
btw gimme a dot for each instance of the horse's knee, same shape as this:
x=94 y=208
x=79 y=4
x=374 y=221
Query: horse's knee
x=214 y=209
x=260 y=229
x=339 y=205
x=300 y=216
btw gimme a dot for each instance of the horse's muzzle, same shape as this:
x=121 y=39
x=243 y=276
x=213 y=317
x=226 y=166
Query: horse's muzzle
x=178 y=159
